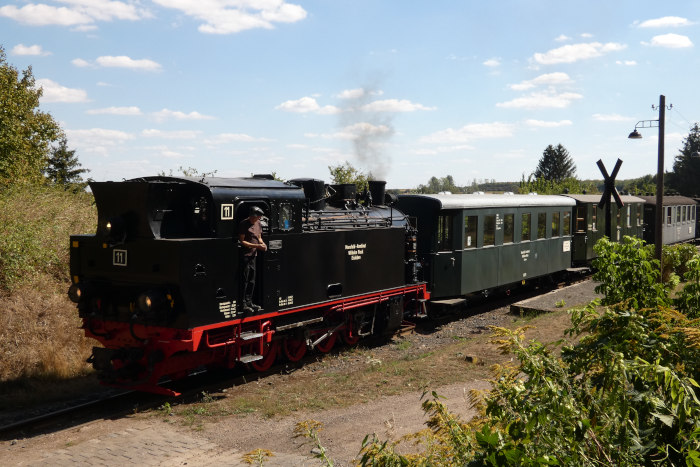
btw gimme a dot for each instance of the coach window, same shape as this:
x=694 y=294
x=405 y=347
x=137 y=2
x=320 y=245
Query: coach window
x=594 y=218
x=489 y=230
x=669 y=216
x=639 y=215
x=285 y=218
x=541 y=225
x=566 y=222
x=508 y=228
x=678 y=214
x=555 y=224
x=581 y=219
x=629 y=216
x=444 y=232
x=470 y=223
x=525 y=233
x=683 y=214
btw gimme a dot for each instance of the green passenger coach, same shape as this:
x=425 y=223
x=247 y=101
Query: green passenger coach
x=589 y=223
x=476 y=242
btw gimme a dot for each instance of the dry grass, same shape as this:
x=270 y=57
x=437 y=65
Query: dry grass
x=40 y=339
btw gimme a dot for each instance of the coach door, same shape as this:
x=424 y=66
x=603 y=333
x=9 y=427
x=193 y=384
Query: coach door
x=447 y=262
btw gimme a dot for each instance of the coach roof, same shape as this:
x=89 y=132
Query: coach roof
x=466 y=201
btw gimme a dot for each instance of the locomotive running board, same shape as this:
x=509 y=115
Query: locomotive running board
x=450 y=301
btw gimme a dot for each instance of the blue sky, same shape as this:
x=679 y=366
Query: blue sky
x=407 y=90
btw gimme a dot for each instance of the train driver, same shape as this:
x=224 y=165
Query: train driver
x=250 y=237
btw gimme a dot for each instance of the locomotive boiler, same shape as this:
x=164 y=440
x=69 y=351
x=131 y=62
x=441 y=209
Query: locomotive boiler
x=159 y=284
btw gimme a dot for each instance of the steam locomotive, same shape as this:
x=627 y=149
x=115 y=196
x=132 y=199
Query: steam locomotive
x=159 y=284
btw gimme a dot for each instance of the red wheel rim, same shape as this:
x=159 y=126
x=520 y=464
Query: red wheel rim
x=350 y=336
x=270 y=352
x=294 y=349
x=327 y=344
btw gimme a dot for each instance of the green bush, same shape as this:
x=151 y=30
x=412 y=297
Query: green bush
x=625 y=394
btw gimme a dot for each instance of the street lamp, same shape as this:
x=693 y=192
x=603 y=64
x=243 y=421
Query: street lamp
x=660 y=123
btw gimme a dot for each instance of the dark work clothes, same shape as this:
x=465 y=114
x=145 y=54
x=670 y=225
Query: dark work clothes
x=248 y=279
x=252 y=232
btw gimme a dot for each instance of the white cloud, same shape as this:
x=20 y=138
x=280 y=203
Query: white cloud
x=540 y=100
x=548 y=79
x=394 y=105
x=611 y=118
x=576 y=52
x=670 y=41
x=177 y=134
x=133 y=110
x=562 y=38
x=80 y=63
x=21 y=49
x=97 y=137
x=226 y=138
x=122 y=61
x=352 y=93
x=167 y=114
x=626 y=62
x=54 y=92
x=227 y=17
x=77 y=13
x=492 y=62
x=469 y=133
x=307 y=105
x=547 y=124
x=665 y=22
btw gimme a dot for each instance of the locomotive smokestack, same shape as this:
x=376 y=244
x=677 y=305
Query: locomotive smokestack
x=377 y=189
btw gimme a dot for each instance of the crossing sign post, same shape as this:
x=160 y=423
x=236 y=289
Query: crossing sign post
x=609 y=191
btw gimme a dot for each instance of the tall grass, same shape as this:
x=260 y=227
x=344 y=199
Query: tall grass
x=39 y=326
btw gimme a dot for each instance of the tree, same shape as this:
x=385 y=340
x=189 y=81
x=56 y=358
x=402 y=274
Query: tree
x=555 y=165
x=63 y=167
x=26 y=134
x=347 y=173
x=685 y=178
x=437 y=185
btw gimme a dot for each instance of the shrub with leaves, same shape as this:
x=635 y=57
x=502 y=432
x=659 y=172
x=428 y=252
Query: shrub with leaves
x=625 y=394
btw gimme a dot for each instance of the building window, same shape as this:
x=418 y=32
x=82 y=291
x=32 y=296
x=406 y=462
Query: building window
x=566 y=223
x=508 y=228
x=470 y=223
x=542 y=225
x=444 y=233
x=525 y=234
x=555 y=224
x=489 y=230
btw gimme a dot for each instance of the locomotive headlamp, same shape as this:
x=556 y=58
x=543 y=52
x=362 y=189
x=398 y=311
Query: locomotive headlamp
x=150 y=300
x=75 y=293
x=115 y=229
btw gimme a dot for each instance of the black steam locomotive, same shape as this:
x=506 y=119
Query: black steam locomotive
x=159 y=283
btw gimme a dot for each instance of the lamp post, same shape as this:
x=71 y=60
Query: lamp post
x=660 y=123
